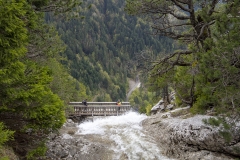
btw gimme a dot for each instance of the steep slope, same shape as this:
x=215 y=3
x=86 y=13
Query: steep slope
x=100 y=47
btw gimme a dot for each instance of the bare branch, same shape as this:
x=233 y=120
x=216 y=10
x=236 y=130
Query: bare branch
x=204 y=28
x=184 y=1
x=180 y=6
x=168 y=63
x=179 y=17
x=213 y=5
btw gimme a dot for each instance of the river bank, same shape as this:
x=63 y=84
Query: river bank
x=186 y=137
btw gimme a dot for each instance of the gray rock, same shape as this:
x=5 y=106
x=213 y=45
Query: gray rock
x=190 y=138
x=160 y=106
x=170 y=107
x=76 y=147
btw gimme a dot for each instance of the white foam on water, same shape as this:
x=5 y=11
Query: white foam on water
x=101 y=125
x=126 y=132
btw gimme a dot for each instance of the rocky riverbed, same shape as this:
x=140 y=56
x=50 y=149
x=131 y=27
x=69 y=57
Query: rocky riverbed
x=184 y=137
x=70 y=146
x=107 y=138
x=174 y=134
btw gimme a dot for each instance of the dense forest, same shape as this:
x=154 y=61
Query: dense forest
x=101 y=47
x=53 y=52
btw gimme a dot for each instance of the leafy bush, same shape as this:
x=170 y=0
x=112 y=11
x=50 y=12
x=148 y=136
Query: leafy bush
x=224 y=126
x=39 y=151
x=5 y=135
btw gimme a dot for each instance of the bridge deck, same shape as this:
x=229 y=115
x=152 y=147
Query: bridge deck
x=99 y=108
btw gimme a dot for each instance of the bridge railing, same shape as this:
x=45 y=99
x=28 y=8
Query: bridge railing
x=99 y=108
x=98 y=103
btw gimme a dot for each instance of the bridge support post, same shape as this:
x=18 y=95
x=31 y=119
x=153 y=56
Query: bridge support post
x=92 y=115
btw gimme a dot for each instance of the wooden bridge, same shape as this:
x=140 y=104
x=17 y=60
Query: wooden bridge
x=99 y=108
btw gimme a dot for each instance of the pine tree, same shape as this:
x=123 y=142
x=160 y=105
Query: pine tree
x=27 y=101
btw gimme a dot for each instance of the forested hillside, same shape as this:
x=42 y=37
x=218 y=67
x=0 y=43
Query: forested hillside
x=101 y=47
x=205 y=75
x=34 y=86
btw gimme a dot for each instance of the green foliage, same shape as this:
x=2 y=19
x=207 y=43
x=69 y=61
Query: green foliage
x=14 y=32
x=4 y=158
x=217 y=83
x=183 y=82
x=178 y=79
x=33 y=88
x=64 y=85
x=224 y=126
x=12 y=44
x=148 y=109
x=5 y=134
x=100 y=47
x=29 y=71
x=213 y=121
x=38 y=152
x=64 y=8
x=141 y=100
x=226 y=135
x=104 y=98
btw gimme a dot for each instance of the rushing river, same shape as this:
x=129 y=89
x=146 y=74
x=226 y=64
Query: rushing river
x=126 y=136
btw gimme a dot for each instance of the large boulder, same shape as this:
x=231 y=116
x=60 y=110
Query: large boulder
x=189 y=138
x=162 y=105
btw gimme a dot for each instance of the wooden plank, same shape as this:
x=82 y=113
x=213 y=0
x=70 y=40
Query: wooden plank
x=99 y=109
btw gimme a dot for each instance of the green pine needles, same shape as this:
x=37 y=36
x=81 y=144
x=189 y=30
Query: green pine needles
x=30 y=106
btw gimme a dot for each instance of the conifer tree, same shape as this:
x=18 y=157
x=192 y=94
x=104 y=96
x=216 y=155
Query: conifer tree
x=28 y=105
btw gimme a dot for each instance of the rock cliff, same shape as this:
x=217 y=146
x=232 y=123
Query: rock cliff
x=184 y=137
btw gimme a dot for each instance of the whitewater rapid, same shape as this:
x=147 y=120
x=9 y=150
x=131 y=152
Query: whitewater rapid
x=127 y=135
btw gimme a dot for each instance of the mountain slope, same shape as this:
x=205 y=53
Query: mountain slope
x=101 y=46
